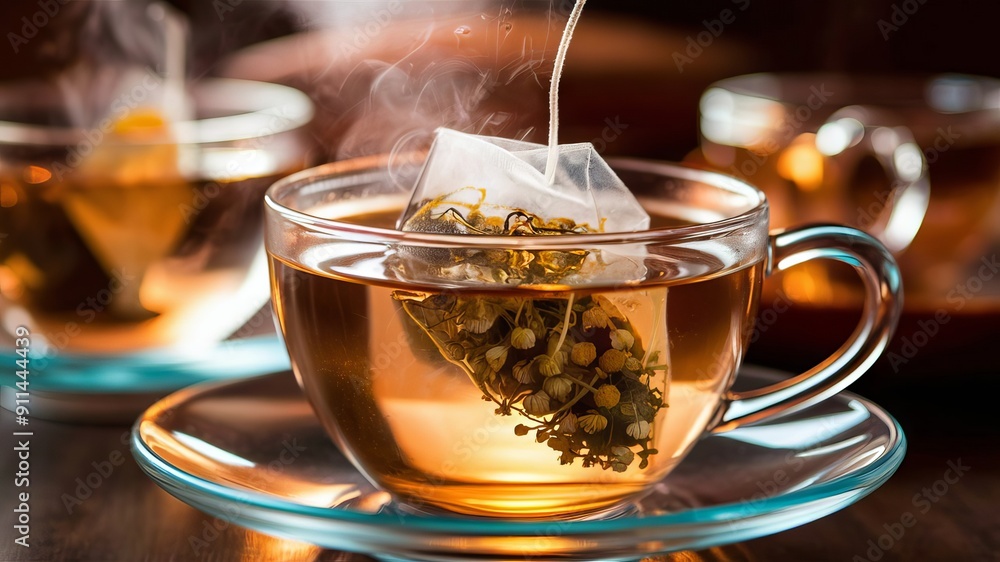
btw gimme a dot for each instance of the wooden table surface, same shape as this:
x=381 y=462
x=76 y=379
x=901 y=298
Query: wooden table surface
x=128 y=518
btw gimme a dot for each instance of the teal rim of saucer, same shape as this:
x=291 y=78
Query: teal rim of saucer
x=866 y=479
x=152 y=371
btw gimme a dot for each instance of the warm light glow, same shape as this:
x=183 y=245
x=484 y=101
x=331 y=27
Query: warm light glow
x=807 y=283
x=8 y=196
x=142 y=120
x=36 y=174
x=263 y=547
x=10 y=285
x=25 y=270
x=802 y=163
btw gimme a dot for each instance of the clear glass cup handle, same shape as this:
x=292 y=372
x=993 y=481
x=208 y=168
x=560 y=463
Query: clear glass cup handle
x=854 y=130
x=882 y=307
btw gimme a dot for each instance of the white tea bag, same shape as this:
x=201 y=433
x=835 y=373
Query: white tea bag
x=496 y=177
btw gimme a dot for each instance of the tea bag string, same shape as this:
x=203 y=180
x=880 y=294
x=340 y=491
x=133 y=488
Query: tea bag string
x=553 y=161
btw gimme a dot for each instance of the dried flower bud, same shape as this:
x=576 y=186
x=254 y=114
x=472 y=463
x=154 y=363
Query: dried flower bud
x=521 y=430
x=607 y=396
x=523 y=373
x=595 y=318
x=633 y=364
x=622 y=340
x=537 y=404
x=638 y=430
x=522 y=338
x=613 y=360
x=496 y=357
x=583 y=354
x=456 y=351
x=568 y=423
x=538 y=328
x=593 y=422
x=479 y=316
x=548 y=366
x=558 y=387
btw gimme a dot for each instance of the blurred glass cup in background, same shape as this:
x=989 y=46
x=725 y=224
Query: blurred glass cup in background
x=913 y=160
x=139 y=234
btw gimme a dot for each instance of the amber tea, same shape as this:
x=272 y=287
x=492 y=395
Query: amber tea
x=534 y=401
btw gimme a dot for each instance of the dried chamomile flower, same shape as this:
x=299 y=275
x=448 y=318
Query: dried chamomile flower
x=522 y=372
x=548 y=366
x=595 y=318
x=607 y=396
x=622 y=340
x=613 y=360
x=522 y=338
x=479 y=316
x=558 y=387
x=633 y=364
x=583 y=353
x=496 y=357
x=589 y=380
x=638 y=430
x=593 y=422
x=537 y=404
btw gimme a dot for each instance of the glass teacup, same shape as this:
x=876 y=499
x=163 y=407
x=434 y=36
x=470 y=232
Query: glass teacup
x=139 y=234
x=911 y=160
x=541 y=399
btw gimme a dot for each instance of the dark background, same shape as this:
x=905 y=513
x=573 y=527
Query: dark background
x=769 y=35
x=941 y=35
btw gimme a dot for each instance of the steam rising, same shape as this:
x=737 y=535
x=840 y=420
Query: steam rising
x=399 y=70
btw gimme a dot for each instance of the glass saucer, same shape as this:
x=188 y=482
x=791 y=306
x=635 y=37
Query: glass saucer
x=117 y=388
x=251 y=452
